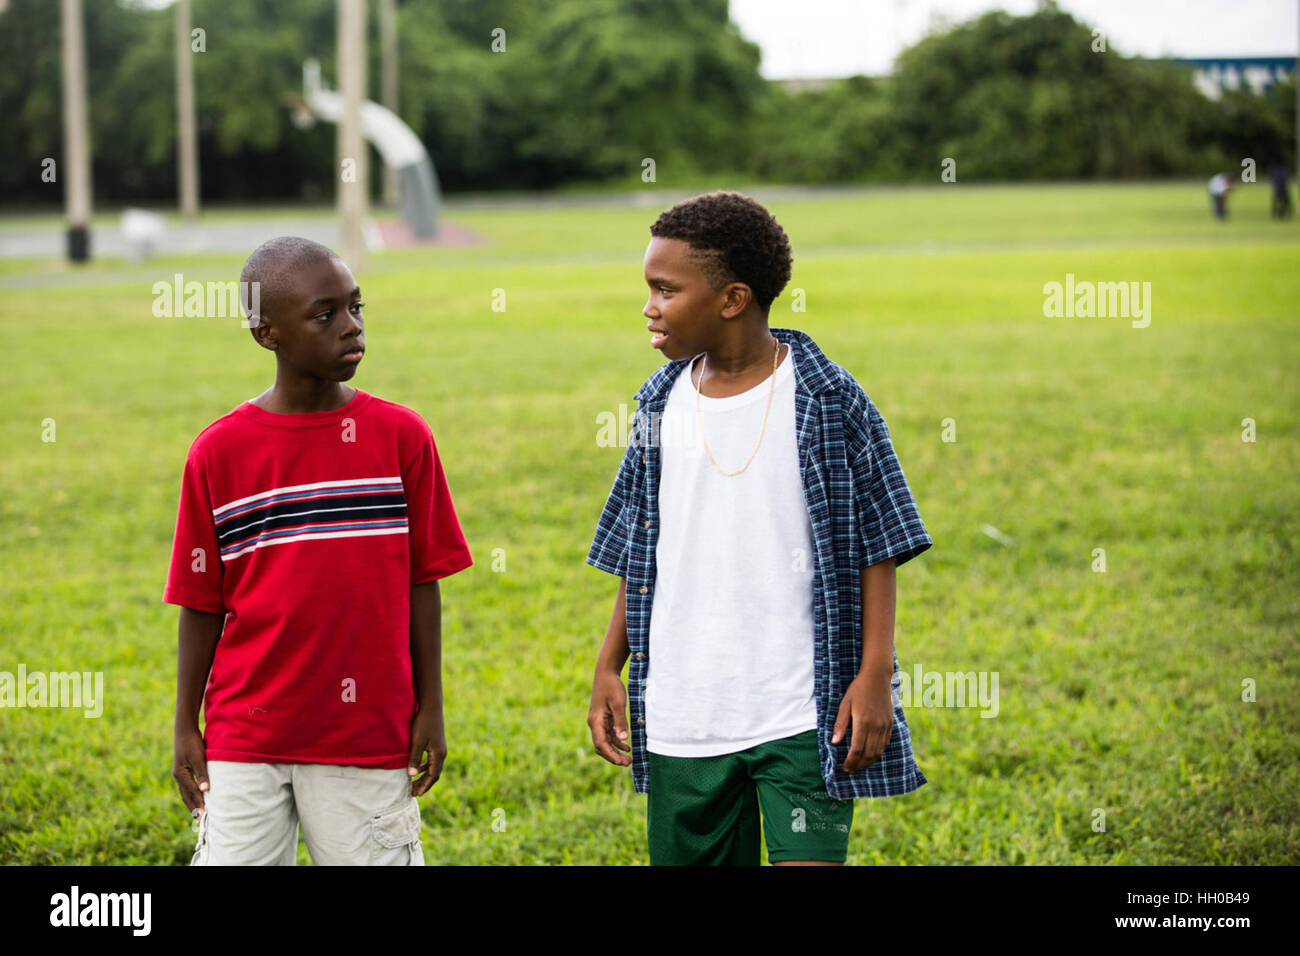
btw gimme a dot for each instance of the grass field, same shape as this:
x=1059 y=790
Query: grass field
x=1121 y=691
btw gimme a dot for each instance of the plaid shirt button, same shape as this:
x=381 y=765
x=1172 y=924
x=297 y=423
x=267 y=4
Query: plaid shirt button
x=644 y=589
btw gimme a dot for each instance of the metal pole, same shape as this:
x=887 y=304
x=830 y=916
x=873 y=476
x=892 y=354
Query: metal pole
x=186 y=132
x=353 y=171
x=388 y=80
x=76 y=138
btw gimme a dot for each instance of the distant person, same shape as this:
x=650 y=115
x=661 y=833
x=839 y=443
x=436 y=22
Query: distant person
x=1281 y=192
x=756 y=555
x=314 y=523
x=1220 y=183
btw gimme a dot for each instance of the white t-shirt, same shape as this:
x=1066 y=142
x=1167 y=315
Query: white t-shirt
x=731 y=625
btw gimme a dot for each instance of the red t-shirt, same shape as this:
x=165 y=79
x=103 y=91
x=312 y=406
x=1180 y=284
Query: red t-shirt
x=308 y=531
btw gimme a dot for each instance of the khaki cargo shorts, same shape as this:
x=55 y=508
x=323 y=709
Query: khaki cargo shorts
x=350 y=816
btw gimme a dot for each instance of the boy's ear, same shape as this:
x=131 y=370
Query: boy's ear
x=736 y=299
x=263 y=332
x=250 y=301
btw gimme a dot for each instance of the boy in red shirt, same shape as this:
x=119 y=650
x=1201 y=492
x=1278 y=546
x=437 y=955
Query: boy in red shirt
x=314 y=523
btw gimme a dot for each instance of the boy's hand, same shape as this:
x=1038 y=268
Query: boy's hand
x=869 y=704
x=190 y=767
x=608 y=718
x=426 y=735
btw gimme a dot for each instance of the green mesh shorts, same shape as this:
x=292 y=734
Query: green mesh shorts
x=704 y=811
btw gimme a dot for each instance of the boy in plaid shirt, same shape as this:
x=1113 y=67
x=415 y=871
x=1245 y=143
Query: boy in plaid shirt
x=756 y=522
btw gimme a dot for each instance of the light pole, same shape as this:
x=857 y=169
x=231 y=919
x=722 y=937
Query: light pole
x=353 y=170
x=388 y=80
x=186 y=135
x=76 y=137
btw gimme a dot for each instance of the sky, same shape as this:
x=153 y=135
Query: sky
x=818 y=38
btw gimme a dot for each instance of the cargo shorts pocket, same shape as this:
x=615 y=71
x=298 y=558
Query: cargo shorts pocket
x=395 y=836
x=201 y=849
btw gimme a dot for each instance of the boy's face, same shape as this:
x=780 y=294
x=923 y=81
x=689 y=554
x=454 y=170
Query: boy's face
x=684 y=310
x=317 y=329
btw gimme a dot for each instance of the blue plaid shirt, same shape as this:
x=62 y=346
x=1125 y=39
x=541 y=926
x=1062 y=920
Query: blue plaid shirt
x=862 y=513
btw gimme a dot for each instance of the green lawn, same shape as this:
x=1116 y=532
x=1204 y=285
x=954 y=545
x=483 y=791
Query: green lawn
x=1120 y=691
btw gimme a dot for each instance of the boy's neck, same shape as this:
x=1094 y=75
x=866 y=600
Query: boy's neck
x=737 y=364
x=742 y=354
x=302 y=397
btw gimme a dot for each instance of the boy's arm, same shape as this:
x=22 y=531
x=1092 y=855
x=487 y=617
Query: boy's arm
x=607 y=717
x=868 y=701
x=198 y=633
x=890 y=533
x=427 y=729
x=879 y=596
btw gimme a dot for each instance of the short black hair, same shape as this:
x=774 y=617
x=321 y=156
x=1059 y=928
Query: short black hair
x=733 y=238
x=270 y=266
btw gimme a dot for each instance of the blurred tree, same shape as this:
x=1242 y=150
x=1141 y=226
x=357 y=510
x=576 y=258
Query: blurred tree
x=587 y=89
x=31 y=92
x=1258 y=127
x=839 y=132
x=253 y=52
x=1029 y=98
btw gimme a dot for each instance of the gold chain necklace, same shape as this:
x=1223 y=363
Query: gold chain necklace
x=700 y=418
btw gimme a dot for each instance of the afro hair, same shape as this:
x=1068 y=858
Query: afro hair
x=733 y=239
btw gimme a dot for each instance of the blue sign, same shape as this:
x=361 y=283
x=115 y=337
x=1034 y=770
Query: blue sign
x=1213 y=75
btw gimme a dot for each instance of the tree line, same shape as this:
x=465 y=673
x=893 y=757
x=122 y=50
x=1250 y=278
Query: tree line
x=537 y=94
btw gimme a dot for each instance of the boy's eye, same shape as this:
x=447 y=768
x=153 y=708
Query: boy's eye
x=359 y=306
